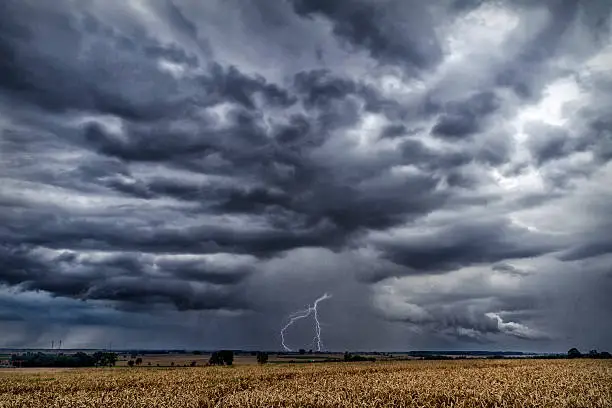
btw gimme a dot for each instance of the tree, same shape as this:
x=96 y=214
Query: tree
x=215 y=359
x=302 y=351
x=193 y=363
x=356 y=357
x=138 y=361
x=131 y=363
x=228 y=357
x=105 y=359
x=593 y=354
x=573 y=353
x=221 y=357
x=262 y=358
x=83 y=360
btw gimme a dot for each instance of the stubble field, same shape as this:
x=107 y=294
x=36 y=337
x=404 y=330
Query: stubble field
x=465 y=383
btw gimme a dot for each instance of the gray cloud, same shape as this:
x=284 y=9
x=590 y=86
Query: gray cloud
x=125 y=278
x=465 y=244
x=224 y=164
x=462 y=117
x=398 y=33
x=508 y=268
x=459 y=320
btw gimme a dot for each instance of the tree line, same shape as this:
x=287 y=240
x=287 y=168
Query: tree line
x=80 y=359
x=575 y=353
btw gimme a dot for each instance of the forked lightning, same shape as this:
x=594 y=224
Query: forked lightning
x=302 y=314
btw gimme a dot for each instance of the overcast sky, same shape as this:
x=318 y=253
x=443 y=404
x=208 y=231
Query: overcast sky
x=187 y=173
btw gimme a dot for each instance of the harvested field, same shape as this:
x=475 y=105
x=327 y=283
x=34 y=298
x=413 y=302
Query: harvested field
x=466 y=383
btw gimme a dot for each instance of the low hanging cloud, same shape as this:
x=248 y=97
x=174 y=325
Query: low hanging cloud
x=220 y=164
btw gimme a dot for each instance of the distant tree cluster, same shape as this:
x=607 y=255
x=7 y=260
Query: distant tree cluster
x=575 y=353
x=105 y=359
x=356 y=357
x=440 y=357
x=222 y=357
x=79 y=359
x=262 y=357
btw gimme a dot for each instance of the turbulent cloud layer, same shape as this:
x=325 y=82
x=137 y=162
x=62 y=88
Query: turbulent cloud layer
x=181 y=173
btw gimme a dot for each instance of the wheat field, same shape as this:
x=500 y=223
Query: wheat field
x=465 y=383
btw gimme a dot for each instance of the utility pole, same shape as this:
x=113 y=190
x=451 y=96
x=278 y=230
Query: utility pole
x=52 y=344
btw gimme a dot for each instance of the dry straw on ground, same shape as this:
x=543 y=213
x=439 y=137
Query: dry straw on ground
x=469 y=383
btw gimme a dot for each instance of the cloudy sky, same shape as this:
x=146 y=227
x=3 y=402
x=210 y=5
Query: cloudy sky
x=187 y=173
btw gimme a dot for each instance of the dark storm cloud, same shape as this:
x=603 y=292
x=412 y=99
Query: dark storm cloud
x=59 y=83
x=180 y=294
x=235 y=86
x=321 y=87
x=295 y=221
x=55 y=82
x=123 y=278
x=462 y=118
x=392 y=131
x=138 y=147
x=236 y=161
x=397 y=33
x=417 y=153
x=91 y=235
x=161 y=141
x=464 y=244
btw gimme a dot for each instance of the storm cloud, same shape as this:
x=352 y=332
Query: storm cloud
x=204 y=170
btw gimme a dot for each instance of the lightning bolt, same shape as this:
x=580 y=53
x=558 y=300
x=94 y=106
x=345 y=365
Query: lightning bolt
x=302 y=314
